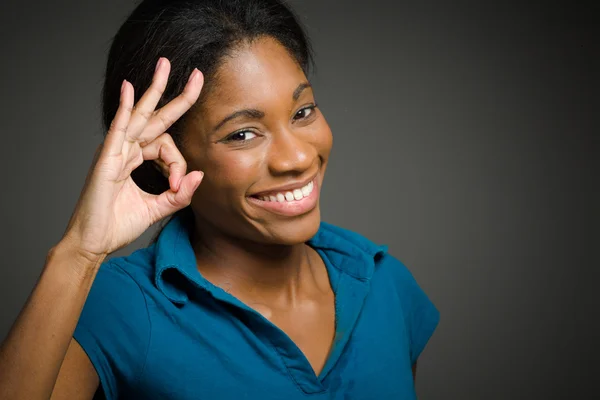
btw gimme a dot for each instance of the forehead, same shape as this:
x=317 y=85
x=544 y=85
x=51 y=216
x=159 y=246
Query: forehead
x=253 y=76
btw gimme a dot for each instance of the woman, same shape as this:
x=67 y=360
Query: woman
x=245 y=293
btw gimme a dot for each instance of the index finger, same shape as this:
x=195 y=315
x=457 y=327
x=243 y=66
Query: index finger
x=172 y=111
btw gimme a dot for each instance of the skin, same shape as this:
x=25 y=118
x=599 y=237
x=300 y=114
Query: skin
x=38 y=358
x=257 y=255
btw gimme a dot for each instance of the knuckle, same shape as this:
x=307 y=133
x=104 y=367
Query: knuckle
x=172 y=200
x=189 y=100
x=180 y=166
x=144 y=114
x=114 y=127
x=166 y=121
x=158 y=88
x=166 y=138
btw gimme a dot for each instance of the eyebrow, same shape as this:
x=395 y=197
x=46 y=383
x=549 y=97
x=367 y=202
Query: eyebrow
x=252 y=113
x=248 y=113
x=299 y=90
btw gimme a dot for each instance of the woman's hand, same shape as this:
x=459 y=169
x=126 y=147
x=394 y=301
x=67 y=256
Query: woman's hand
x=112 y=210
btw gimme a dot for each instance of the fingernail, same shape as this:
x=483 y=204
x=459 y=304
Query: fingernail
x=158 y=64
x=123 y=86
x=200 y=181
x=193 y=75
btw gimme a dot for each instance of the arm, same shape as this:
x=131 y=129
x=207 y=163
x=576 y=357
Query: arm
x=77 y=378
x=40 y=338
x=38 y=349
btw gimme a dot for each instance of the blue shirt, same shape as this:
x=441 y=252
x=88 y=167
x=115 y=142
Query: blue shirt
x=154 y=328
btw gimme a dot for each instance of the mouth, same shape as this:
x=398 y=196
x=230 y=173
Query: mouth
x=290 y=202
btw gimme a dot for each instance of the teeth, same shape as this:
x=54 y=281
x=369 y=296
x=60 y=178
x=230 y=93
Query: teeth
x=306 y=190
x=296 y=194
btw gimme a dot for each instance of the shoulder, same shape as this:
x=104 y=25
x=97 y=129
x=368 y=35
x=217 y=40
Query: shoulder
x=390 y=279
x=359 y=246
x=114 y=327
x=123 y=281
x=117 y=296
x=139 y=265
x=343 y=238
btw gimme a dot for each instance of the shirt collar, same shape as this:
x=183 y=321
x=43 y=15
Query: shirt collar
x=348 y=251
x=176 y=271
x=175 y=261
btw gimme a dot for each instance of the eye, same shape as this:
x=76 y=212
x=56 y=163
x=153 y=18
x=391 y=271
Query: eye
x=305 y=112
x=240 y=136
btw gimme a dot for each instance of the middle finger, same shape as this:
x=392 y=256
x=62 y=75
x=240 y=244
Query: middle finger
x=172 y=111
x=163 y=152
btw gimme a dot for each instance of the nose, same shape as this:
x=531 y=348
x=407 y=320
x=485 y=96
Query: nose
x=290 y=153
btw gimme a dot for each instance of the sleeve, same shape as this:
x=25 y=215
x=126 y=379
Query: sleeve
x=420 y=314
x=114 y=329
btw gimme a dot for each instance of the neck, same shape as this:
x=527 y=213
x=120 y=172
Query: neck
x=274 y=275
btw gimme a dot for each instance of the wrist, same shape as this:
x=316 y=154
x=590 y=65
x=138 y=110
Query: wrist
x=74 y=261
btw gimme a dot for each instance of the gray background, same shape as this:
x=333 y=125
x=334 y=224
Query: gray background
x=463 y=139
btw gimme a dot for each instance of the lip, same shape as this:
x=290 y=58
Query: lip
x=286 y=188
x=291 y=208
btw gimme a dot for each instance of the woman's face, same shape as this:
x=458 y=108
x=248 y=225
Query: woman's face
x=263 y=147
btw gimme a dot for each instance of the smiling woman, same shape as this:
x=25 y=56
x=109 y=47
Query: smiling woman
x=245 y=292
x=260 y=134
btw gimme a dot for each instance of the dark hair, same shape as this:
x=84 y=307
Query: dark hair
x=191 y=34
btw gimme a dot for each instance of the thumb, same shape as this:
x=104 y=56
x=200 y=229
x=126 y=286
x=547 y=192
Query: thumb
x=170 y=202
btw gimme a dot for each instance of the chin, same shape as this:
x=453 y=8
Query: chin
x=292 y=231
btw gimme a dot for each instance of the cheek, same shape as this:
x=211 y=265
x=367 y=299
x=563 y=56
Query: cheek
x=323 y=138
x=231 y=173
